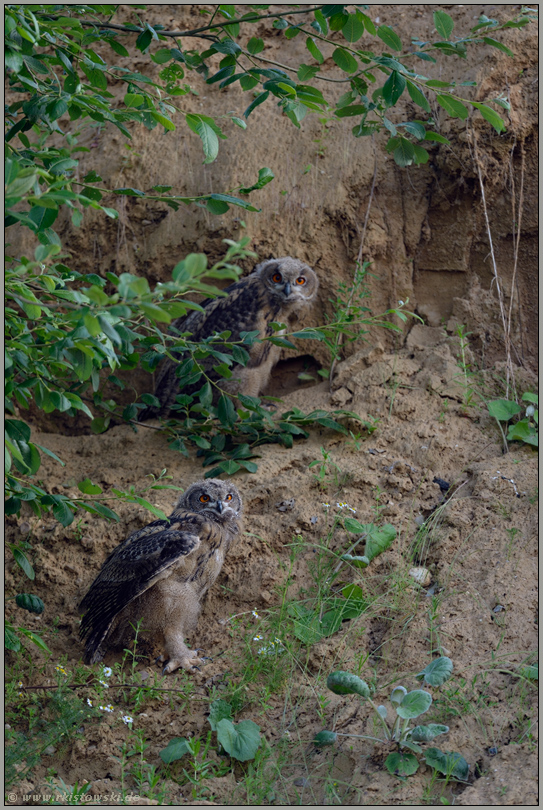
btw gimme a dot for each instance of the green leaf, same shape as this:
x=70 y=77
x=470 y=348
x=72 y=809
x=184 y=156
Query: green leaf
x=345 y=60
x=155 y=312
x=219 y=710
x=255 y=45
x=344 y=683
x=451 y=105
x=449 y=763
x=353 y=28
x=397 y=695
x=324 y=737
x=88 y=488
x=63 y=514
x=427 y=733
x=435 y=136
x=240 y=741
x=529 y=397
x=29 y=602
x=499 y=45
x=418 y=96
x=265 y=176
x=523 y=432
x=307 y=72
x=531 y=672
x=379 y=539
x=437 y=672
x=22 y=561
x=414 y=704
x=207 y=134
x=357 y=562
x=226 y=411
x=393 y=88
x=490 y=115
x=258 y=100
x=404 y=153
x=389 y=37
x=401 y=764
x=444 y=24
x=175 y=749
x=11 y=642
x=313 y=49
x=503 y=409
x=421 y=155
x=35 y=639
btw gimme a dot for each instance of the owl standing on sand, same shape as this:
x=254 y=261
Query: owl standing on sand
x=161 y=573
x=274 y=291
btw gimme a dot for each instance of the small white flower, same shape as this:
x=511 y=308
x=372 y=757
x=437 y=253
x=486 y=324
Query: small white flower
x=127 y=719
x=401 y=303
x=89 y=702
x=258 y=638
x=108 y=708
x=255 y=614
x=19 y=683
x=107 y=672
x=326 y=505
x=104 y=683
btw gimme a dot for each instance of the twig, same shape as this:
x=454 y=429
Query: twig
x=360 y=249
x=517 y=222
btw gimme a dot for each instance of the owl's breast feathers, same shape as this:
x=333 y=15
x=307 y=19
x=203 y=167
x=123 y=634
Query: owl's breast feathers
x=144 y=558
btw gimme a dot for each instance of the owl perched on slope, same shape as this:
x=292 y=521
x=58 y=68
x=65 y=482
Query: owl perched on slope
x=161 y=573
x=274 y=291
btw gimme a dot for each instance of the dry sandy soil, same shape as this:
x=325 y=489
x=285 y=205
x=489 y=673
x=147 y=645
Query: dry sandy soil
x=427 y=241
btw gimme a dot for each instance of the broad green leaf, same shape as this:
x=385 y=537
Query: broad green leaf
x=324 y=738
x=437 y=672
x=255 y=45
x=357 y=562
x=404 y=153
x=389 y=37
x=63 y=513
x=226 y=411
x=207 y=134
x=175 y=749
x=452 y=106
x=88 y=488
x=523 y=432
x=379 y=539
x=401 y=764
x=307 y=72
x=414 y=704
x=449 y=763
x=219 y=710
x=421 y=155
x=444 y=24
x=240 y=740
x=529 y=397
x=344 y=683
x=29 y=602
x=531 y=672
x=11 y=642
x=35 y=639
x=353 y=28
x=490 y=115
x=503 y=409
x=345 y=60
x=393 y=88
x=155 y=312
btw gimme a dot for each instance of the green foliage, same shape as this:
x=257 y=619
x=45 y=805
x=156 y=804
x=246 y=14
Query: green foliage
x=525 y=430
x=241 y=741
x=407 y=706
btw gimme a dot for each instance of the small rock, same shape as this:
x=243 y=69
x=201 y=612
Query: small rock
x=144 y=675
x=314 y=519
x=49 y=751
x=301 y=782
x=286 y=506
x=266 y=596
x=419 y=520
x=421 y=575
x=498 y=609
x=24 y=527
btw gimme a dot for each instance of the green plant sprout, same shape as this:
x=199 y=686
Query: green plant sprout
x=526 y=430
x=401 y=734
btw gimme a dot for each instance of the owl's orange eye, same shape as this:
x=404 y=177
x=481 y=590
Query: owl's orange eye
x=300 y=280
x=228 y=498
x=204 y=498
x=277 y=277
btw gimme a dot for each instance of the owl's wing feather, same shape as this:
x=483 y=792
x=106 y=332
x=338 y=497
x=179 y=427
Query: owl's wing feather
x=134 y=567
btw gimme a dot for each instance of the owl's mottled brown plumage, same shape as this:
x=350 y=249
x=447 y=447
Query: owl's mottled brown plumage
x=161 y=573
x=274 y=291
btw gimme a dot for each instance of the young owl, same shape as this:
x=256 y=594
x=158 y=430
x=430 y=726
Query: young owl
x=274 y=291
x=161 y=573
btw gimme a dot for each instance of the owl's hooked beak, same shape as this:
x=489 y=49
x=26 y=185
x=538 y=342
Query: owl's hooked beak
x=287 y=289
x=220 y=507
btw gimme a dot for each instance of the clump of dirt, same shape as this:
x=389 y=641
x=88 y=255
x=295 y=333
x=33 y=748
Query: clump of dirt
x=427 y=241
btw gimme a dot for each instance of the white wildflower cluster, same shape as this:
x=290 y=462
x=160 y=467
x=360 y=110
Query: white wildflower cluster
x=346 y=506
x=61 y=669
x=127 y=720
x=108 y=708
x=273 y=648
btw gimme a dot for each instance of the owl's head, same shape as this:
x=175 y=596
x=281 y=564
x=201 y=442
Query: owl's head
x=290 y=281
x=218 y=500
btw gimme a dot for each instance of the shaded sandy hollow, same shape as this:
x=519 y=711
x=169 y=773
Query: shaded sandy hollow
x=481 y=556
